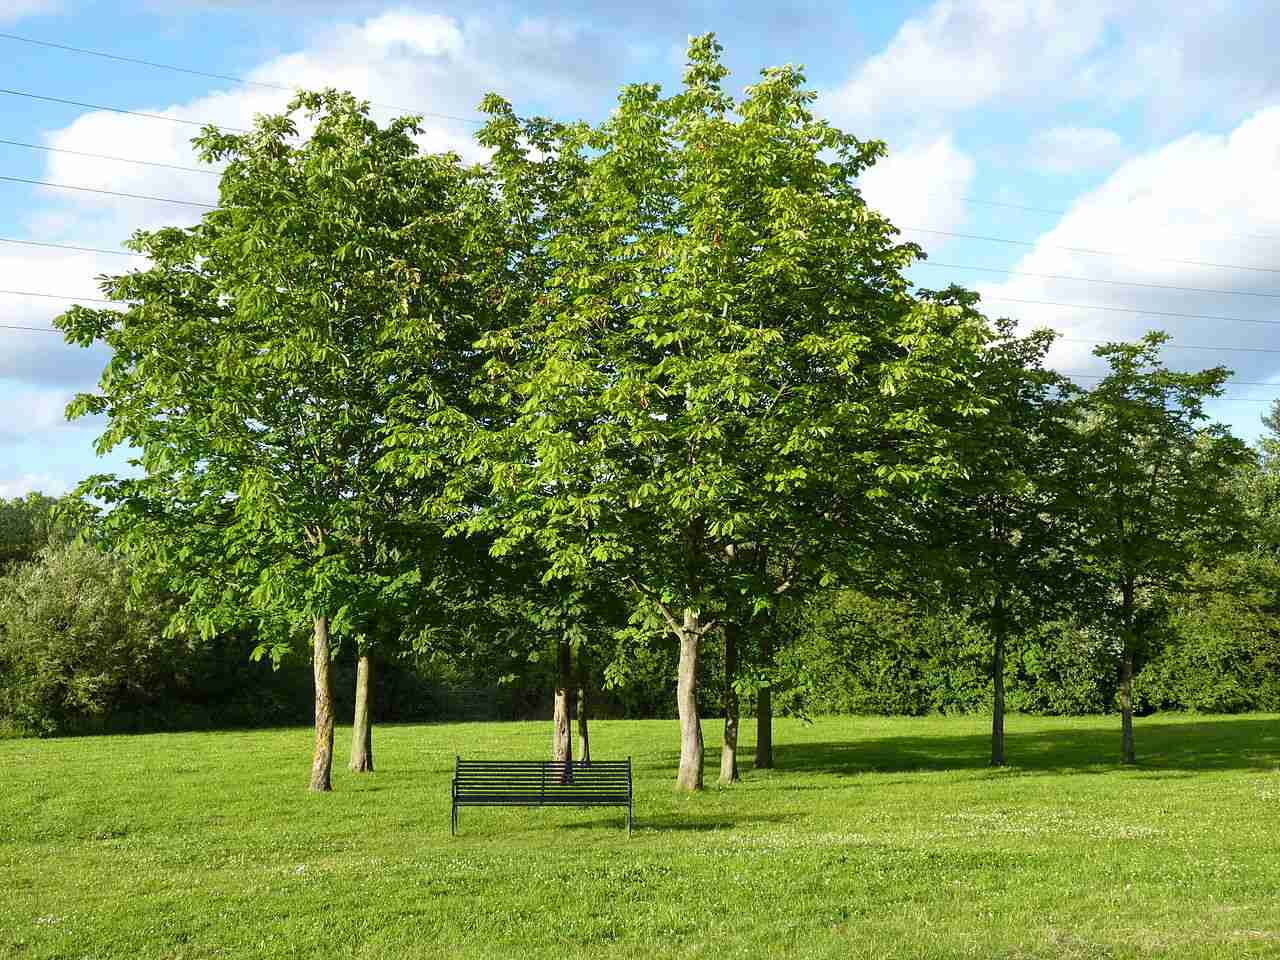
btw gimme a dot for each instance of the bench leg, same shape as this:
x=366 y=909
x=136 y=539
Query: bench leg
x=453 y=822
x=628 y=821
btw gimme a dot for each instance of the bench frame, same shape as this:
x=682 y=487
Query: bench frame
x=551 y=777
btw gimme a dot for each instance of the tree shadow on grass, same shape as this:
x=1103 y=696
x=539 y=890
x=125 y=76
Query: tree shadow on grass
x=1247 y=743
x=696 y=822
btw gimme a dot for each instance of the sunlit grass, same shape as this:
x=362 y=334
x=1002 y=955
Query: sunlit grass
x=873 y=838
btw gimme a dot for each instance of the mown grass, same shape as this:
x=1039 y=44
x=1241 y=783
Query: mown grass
x=873 y=838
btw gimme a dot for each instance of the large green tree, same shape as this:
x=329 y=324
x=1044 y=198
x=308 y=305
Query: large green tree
x=1156 y=492
x=724 y=353
x=258 y=361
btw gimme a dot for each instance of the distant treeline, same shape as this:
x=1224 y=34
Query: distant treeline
x=79 y=654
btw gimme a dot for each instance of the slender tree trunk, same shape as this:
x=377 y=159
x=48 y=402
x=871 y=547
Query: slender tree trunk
x=322 y=758
x=362 y=724
x=764 y=706
x=562 y=712
x=584 y=735
x=689 y=777
x=1127 y=754
x=729 y=755
x=997 y=686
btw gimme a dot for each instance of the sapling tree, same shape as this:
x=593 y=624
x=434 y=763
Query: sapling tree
x=724 y=352
x=996 y=540
x=257 y=361
x=1156 y=493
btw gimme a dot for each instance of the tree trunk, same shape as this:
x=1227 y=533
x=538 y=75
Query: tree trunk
x=361 y=724
x=997 y=687
x=562 y=712
x=1126 y=676
x=1127 y=754
x=764 y=707
x=689 y=777
x=584 y=735
x=322 y=758
x=729 y=754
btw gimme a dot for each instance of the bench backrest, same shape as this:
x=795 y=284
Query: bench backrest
x=543 y=781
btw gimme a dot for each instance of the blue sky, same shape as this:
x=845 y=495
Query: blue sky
x=1120 y=158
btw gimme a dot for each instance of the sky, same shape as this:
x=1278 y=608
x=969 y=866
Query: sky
x=1102 y=167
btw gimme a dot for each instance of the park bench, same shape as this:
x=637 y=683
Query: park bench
x=541 y=783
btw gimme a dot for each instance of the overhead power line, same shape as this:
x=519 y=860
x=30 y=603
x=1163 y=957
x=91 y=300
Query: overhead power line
x=1147 y=313
x=1092 y=252
x=1063 y=213
x=1181 y=346
x=107 y=156
x=129 y=113
x=1119 y=283
x=67 y=246
x=230 y=78
x=109 y=193
x=54 y=296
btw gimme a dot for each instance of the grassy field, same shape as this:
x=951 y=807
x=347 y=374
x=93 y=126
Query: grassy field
x=873 y=838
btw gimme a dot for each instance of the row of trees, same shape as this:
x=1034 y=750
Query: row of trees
x=662 y=375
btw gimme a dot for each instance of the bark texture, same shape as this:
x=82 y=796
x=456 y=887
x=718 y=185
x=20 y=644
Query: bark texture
x=997 y=687
x=1125 y=694
x=584 y=734
x=322 y=757
x=689 y=777
x=764 y=708
x=362 y=724
x=562 y=710
x=1127 y=753
x=729 y=754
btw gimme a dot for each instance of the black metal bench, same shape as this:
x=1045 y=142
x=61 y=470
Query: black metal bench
x=541 y=783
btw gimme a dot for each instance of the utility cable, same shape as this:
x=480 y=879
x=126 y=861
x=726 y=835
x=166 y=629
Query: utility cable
x=129 y=113
x=1147 y=313
x=1119 y=283
x=1092 y=252
x=107 y=156
x=109 y=193
x=230 y=78
x=67 y=246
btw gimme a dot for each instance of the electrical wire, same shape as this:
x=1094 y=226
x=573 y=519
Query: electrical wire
x=1119 y=283
x=129 y=113
x=1147 y=313
x=107 y=156
x=67 y=246
x=109 y=193
x=1092 y=252
x=230 y=78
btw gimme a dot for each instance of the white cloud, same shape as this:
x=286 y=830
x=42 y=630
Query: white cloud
x=921 y=185
x=1204 y=200
x=956 y=56
x=1076 y=149
x=410 y=60
x=32 y=410
x=24 y=483
x=12 y=11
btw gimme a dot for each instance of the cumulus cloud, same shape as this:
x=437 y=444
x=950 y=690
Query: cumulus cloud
x=402 y=60
x=921 y=185
x=956 y=56
x=1200 y=212
x=1076 y=149
x=1216 y=57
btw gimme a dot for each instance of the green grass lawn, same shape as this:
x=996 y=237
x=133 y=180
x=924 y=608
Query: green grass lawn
x=873 y=838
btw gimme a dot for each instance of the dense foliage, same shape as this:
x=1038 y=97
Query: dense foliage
x=649 y=405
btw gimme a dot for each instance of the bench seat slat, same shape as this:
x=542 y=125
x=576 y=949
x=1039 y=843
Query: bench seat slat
x=542 y=783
